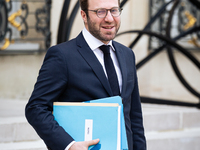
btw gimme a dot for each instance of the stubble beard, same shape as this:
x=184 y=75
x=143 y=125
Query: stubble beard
x=104 y=37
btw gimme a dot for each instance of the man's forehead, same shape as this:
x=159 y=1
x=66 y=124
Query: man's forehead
x=102 y=3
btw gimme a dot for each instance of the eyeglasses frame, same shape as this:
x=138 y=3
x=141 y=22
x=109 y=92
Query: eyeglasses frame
x=120 y=10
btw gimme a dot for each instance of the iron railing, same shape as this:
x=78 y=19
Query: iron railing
x=185 y=16
x=11 y=21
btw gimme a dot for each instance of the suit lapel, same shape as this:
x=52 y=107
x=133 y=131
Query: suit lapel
x=122 y=64
x=93 y=62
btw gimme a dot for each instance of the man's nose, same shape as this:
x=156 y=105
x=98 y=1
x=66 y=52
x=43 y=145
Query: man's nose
x=109 y=17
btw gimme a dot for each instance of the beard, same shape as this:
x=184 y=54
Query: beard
x=104 y=36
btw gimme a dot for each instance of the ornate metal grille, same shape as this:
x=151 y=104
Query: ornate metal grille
x=26 y=23
x=185 y=17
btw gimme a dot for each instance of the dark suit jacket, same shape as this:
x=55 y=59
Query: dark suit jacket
x=71 y=72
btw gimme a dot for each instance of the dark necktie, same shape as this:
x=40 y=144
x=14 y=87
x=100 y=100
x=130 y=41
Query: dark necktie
x=110 y=70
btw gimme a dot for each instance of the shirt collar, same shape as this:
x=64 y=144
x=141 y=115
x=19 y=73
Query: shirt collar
x=93 y=42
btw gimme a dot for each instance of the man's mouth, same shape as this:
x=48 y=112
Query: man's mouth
x=108 y=27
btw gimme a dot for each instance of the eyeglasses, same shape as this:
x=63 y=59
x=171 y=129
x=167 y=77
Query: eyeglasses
x=102 y=12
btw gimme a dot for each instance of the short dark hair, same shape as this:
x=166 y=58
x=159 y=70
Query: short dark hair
x=84 y=5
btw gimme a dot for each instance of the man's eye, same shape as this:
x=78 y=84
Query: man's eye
x=101 y=11
x=114 y=10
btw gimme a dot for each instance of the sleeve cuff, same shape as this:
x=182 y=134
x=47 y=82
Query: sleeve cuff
x=67 y=148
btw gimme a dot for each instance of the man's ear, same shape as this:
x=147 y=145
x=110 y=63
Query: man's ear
x=84 y=16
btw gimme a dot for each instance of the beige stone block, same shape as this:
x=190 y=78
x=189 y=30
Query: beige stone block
x=6 y=132
x=161 y=121
x=16 y=132
x=25 y=132
x=18 y=75
x=191 y=119
x=187 y=139
x=174 y=144
x=28 y=145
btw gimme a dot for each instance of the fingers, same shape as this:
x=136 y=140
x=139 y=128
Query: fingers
x=92 y=142
x=83 y=145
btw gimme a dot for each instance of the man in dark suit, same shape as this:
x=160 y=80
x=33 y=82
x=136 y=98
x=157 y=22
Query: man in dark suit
x=76 y=71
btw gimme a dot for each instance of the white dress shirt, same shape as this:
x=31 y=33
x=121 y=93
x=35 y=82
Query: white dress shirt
x=94 y=45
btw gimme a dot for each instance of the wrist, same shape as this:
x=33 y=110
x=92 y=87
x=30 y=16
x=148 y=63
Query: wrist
x=70 y=145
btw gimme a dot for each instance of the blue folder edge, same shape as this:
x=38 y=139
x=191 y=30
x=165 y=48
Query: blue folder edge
x=114 y=99
x=114 y=111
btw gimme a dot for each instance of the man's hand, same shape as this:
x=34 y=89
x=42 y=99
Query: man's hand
x=83 y=145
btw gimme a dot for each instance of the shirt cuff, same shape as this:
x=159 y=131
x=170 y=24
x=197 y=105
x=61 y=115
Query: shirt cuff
x=67 y=148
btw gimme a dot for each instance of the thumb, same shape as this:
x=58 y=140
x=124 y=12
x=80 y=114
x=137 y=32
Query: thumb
x=92 y=142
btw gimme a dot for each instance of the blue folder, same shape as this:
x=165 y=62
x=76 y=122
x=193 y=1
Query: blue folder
x=116 y=99
x=76 y=119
